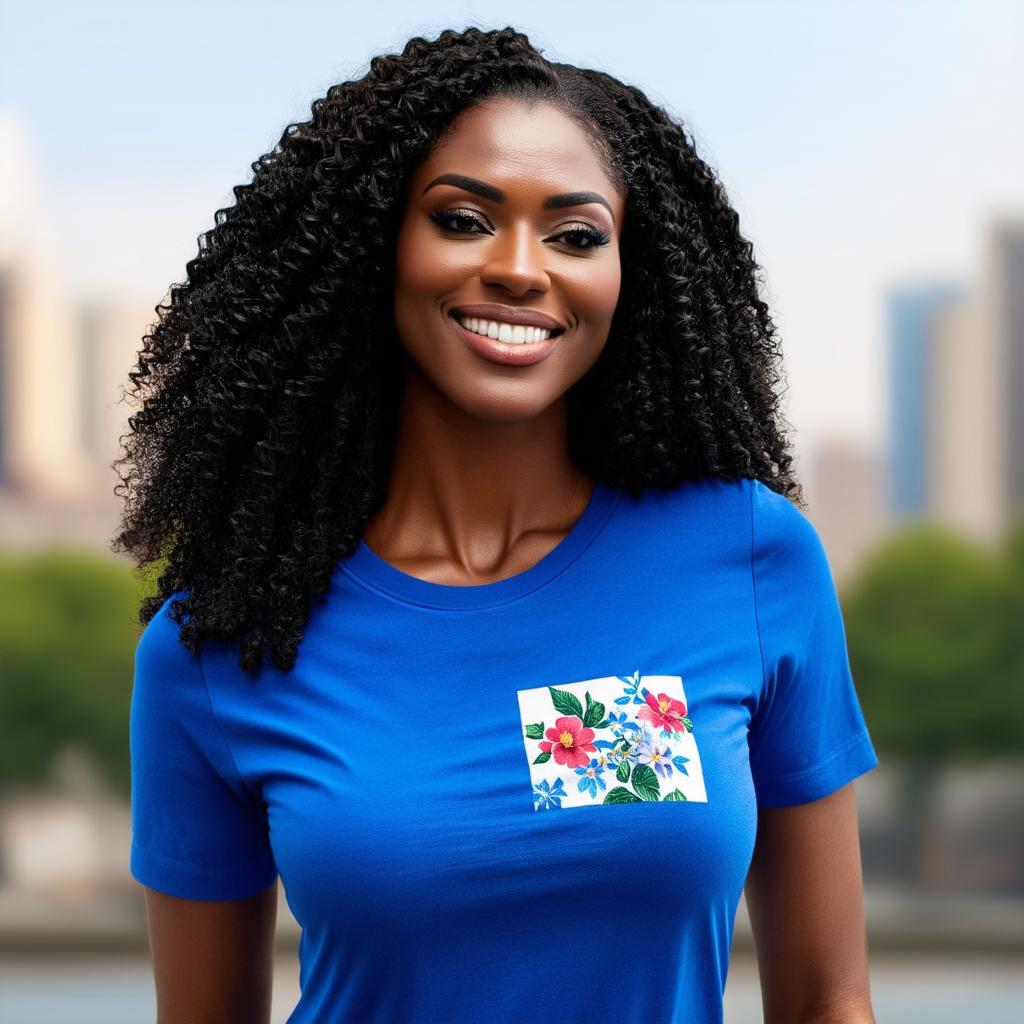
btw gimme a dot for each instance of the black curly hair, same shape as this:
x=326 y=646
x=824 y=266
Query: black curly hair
x=269 y=403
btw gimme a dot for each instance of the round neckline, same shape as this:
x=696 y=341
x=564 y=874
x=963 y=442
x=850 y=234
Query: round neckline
x=368 y=567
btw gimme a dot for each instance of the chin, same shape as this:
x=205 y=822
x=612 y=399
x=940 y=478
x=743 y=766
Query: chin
x=511 y=404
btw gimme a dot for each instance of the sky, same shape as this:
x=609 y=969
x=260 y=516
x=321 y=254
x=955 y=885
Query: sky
x=865 y=145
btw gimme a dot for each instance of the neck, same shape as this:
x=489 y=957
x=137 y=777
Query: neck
x=466 y=490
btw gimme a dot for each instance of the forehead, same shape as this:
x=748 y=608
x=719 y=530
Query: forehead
x=518 y=147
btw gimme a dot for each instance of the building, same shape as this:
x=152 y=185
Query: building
x=911 y=313
x=63 y=363
x=847 y=502
x=975 y=422
x=39 y=451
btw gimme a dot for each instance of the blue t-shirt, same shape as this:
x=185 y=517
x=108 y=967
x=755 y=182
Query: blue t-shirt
x=452 y=780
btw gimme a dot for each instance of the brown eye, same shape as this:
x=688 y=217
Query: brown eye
x=448 y=219
x=586 y=237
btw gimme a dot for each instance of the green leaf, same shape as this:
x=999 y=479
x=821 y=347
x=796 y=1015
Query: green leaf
x=645 y=782
x=535 y=731
x=674 y=795
x=594 y=713
x=620 y=795
x=622 y=772
x=566 y=703
x=541 y=758
x=687 y=723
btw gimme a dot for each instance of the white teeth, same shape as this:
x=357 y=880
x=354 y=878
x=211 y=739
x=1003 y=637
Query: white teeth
x=513 y=334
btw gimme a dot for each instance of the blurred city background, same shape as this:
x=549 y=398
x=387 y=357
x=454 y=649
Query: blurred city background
x=875 y=154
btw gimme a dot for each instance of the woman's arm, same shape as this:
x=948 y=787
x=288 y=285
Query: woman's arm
x=213 y=960
x=804 y=894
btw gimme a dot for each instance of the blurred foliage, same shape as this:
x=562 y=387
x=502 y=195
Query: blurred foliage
x=933 y=622
x=67 y=637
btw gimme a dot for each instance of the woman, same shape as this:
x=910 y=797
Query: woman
x=466 y=416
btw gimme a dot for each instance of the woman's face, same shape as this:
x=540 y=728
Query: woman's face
x=513 y=211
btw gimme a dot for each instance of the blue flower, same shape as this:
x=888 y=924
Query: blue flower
x=659 y=760
x=590 y=777
x=546 y=796
x=618 y=722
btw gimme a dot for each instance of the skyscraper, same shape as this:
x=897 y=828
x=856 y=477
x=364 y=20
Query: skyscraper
x=911 y=313
x=976 y=387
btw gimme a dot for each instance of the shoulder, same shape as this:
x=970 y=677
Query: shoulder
x=162 y=661
x=711 y=497
x=771 y=524
x=161 y=633
x=699 y=527
x=782 y=536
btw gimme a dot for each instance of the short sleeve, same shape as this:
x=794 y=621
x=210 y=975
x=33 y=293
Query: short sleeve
x=197 y=831
x=807 y=734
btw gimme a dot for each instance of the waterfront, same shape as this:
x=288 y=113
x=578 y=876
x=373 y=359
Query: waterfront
x=119 y=990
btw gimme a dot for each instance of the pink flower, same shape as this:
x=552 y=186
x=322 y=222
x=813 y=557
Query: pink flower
x=664 y=711
x=569 y=742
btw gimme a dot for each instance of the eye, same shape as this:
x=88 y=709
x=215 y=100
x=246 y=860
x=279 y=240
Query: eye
x=447 y=219
x=586 y=236
x=462 y=222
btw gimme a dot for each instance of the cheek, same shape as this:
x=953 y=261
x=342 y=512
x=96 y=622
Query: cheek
x=422 y=265
x=412 y=267
x=596 y=295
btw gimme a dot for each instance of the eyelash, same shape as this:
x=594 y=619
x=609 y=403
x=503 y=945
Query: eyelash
x=597 y=238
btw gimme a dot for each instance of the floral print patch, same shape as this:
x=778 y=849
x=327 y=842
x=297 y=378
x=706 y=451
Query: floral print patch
x=581 y=753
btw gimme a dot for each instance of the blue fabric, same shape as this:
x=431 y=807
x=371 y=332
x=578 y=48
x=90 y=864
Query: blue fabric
x=461 y=786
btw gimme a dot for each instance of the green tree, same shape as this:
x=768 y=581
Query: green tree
x=68 y=630
x=932 y=647
x=936 y=649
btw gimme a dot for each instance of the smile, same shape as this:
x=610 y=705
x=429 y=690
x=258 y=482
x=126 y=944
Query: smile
x=496 y=342
x=499 y=330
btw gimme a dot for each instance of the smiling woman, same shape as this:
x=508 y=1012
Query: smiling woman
x=472 y=396
x=526 y=219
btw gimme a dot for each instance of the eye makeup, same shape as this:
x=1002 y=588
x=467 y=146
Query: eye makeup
x=588 y=236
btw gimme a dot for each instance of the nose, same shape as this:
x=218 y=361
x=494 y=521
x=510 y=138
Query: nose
x=516 y=261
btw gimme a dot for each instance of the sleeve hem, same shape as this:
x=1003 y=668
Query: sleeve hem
x=191 y=881
x=853 y=758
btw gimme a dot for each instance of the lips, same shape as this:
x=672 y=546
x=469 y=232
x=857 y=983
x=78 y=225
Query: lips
x=509 y=354
x=509 y=315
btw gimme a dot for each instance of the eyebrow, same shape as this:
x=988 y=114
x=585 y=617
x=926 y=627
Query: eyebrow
x=481 y=188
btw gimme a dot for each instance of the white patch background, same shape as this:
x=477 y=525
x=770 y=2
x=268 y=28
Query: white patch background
x=535 y=705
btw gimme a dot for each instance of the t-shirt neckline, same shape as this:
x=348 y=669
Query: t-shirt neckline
x=368 y=567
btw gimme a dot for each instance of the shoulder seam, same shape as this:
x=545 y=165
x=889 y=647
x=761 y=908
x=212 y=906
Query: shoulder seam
x=753 y=587
x=222 y=732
